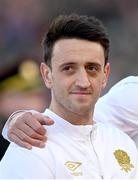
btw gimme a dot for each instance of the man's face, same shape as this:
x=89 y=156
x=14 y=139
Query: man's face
x=77 y=75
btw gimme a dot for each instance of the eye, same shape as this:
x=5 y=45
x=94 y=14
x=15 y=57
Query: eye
x=68 y=69
x=92 y=68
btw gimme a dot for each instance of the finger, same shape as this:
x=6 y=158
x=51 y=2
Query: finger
x=32 y=122
x=31 y=132
x=21 y=143
x=48 y=121
x=44 y=120
x=25 y=139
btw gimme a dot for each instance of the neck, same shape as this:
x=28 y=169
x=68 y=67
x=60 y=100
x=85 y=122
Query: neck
x=81 y=118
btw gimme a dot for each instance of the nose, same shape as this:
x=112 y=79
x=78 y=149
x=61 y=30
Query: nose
x=82 y=79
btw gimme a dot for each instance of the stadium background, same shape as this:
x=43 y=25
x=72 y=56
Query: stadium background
x=22 y=25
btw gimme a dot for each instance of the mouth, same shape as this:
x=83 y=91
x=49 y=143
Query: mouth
x=81 y=93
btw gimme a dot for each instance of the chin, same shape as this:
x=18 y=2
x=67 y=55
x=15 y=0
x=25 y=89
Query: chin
x=82 y=110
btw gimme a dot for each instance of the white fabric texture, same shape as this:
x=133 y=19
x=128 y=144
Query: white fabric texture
x=120 y=107
x=74 y=152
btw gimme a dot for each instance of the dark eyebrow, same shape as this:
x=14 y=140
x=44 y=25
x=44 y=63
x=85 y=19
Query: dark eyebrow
x=94 y=64
x=74 y=64
x=67 y=64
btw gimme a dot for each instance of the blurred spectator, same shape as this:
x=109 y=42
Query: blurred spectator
x=22 y=90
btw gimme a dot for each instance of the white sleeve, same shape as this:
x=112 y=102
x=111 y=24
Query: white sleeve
x=120 y=107
x=19 y=163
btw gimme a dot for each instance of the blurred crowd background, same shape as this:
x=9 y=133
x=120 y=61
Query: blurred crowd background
x=22 y=25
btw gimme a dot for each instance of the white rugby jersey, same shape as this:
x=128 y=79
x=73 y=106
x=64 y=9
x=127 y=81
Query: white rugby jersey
x=74 y=152
x=120 y=107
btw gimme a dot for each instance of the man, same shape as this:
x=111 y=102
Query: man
x=118 y=107
x=76 y=69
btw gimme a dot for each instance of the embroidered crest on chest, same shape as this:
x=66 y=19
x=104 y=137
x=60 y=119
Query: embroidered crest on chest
x=124 y=160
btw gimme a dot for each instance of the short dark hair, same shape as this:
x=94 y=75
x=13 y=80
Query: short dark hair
x=75 y=26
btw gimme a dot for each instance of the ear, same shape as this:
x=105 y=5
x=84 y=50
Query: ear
x=106 y=74
x=46 y=75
